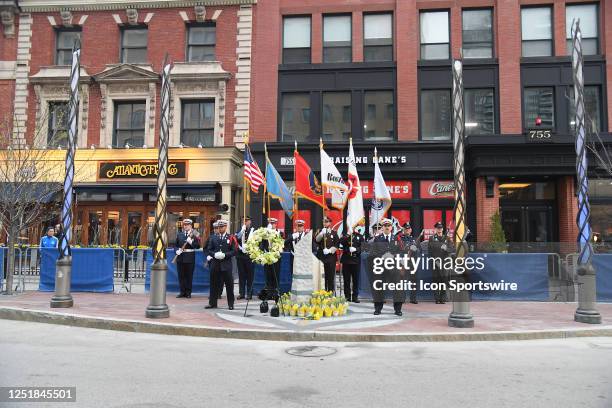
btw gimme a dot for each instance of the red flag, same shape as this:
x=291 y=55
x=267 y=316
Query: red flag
x=306 y=183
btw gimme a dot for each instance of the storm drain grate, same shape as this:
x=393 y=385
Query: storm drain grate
x=311 y=351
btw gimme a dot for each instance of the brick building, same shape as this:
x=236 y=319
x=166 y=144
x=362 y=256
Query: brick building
x=380 y=72
x=123 y=45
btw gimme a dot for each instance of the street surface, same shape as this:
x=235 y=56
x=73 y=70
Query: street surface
x=119 y=369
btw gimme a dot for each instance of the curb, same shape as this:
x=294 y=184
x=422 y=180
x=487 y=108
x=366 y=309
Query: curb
x=37 y=316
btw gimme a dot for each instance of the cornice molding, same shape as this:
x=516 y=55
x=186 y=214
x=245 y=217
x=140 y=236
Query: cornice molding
x=46 y=6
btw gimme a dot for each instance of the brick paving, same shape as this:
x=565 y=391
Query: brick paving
x=424 y=318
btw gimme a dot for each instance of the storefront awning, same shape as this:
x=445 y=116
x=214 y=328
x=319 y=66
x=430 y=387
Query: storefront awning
x=203 y=188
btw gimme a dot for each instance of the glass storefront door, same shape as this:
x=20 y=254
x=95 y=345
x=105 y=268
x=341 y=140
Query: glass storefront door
x=528 y=223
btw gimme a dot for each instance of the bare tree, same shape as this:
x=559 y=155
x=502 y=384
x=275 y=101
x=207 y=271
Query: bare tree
x=29 y=184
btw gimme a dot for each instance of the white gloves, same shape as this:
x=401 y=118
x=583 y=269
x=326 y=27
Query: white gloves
x=333 y=250
x=179 y=251
x=413 y=248
x=352 y=249
x=243 y=250
x=326 y=251
x=189 y=240
x=295 y=235
x=443 y=247
x=243 y=228
x=208 y=258
x=219 y=255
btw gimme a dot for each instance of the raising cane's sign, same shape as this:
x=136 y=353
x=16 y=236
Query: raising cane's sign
x=437 y=189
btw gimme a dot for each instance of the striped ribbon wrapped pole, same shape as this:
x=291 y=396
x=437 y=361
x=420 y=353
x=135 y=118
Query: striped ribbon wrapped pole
x=586 y=311
x=157 y=307
x=460 y=315
x=62 y=296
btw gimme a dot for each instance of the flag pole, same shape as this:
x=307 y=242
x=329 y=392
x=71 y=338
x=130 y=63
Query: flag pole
x=295 y=196
x=265 y=185
x=267 y=196
x=322 y=195
x=245 y=187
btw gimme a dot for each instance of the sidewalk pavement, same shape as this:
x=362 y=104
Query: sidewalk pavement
x=425 y=321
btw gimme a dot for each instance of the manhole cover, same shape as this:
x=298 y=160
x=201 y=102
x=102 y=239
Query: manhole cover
x=311 y=351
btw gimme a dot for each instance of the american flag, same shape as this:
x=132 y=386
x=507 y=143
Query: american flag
x=252 y=174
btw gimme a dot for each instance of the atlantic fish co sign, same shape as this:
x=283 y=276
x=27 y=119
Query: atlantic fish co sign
x=139 y=170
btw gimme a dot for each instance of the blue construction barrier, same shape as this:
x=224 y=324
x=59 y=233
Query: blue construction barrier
x=92 y=269
x=201 y=273
x=603 y=270
x=529 y=271
x=286 y=275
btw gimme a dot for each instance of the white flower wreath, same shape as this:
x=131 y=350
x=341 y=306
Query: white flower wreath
x=273 y=254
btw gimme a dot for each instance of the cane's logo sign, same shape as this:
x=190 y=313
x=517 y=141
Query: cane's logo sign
x=139 y=170
x=437 y=189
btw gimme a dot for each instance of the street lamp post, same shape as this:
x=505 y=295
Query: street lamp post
x=157 y=307
x=586 y=311
x=460 y=315
x=62 y=297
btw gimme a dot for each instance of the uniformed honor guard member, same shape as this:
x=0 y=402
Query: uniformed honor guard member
x=187 y=241
x=328 y=240
x=384 y=245
x=272 y=271
x=245 y=265
x=296 y=237
x=351 y=264
x=411 y=247
x=209 y=256
x=221 y=250
x=439 y=249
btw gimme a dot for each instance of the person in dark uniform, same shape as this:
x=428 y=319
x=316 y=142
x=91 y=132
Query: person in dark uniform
x=351 y=264
x=439 y=248
x=272 y=271
x=245 y=265
x=386 y=244
x=296 y=237
x=328 y=240
x=222 y=247
x=410 y=246
x=187 y=241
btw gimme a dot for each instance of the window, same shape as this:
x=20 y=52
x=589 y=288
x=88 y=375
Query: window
x=479 y=107
x=337 y=39
x=64 y=43
x=589 y=28
x=378 y=125
x=592 y=107
x=57 y=132
x=436 y=114
x=477 y=33
x=296 y=40
x=201 y=42
x=539 y=107
x=378 y=37
x=129 y=124
x=296 y=117
x=198 y=123
x=536 y=28
x=336 y=115
x=134 y=45
x=434 y=35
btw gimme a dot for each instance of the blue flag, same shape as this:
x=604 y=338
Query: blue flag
x=278 y=189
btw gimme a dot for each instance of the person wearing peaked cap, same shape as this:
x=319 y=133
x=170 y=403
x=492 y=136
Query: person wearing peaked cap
x=386 y=245
x=272 y=272
x=299 y=233
x=410 y=246
x=187 y=241
x=246 y=268
x=351 y=263
x=222 y=248
x=439 y=249
x=327 y=241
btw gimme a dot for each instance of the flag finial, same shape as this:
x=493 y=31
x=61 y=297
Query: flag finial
x=320 y=142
